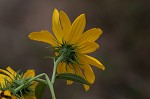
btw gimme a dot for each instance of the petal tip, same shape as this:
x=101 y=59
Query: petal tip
x=30 y=35
x=8 y=67
x=82 y=15
x=86 y=87
x=55 y=12
x=55 y=9
x=103 y=68
x=100 y=30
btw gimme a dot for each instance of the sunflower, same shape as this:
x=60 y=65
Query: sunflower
x=6 y=94
x=71 y=39
x=10 y=80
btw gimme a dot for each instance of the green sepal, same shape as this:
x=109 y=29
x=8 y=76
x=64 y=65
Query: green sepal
x=72 y=77
x=39 y=90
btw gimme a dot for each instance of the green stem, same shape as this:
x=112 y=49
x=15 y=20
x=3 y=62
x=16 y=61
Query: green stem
x=41 y=80
x=51 y=87
x=55 y=66
x=53 y=76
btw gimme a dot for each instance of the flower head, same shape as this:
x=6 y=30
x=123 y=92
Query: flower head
x=10 y=80
x=74 y=42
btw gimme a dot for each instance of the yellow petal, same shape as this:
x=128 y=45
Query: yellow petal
x=90 y=60
x=7 y=93
x=70 y=70
x=29 y=96
x=3 y=98
x=43 y=36
x=88 y=72
x=33 y=86
x=61 y=68
x=87 y=87
x=90 y=36
x=13 y=97
x=29 y=73
x=69 y=82
x=66 y=25
x=7 y=73
x=88 y=47
x=56 y=26
x=56 y=53
x=77 y=28
x=3 y=77
x=79 y=72
x=11 y=71
x=32 y=97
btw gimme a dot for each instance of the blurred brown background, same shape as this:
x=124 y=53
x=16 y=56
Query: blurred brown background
x=125 y=44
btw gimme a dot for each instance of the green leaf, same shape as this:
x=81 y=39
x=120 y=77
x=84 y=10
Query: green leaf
x=72 y=77
x=39 y=90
